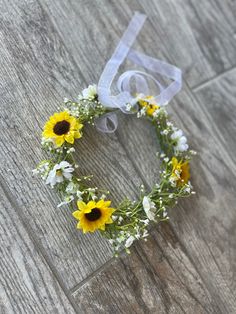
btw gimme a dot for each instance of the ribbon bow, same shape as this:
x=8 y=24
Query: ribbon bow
x=108 y=122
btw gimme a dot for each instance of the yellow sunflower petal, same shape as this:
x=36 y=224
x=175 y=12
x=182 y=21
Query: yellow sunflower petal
x=80 y=125
x=65 y=115
x=47 y=134
x=72 y=122
x=112 y=210
x=81 y=205
x=59 y=140
x=102 y=227
x=79 y=225
x=76 y=214
x=110 y=221
x=91 y=205
x=107 y=203
x=57 y=116
x=174 y=161
x=185 y=174
x=77 y=134
x=70 y=138
x=100 y=203
x=103 y=203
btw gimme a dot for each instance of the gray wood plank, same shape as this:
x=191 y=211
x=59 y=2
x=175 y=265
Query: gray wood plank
x=27 y=285
x=218 y=98
x=37 y=43
x=199 y=36
x=93 y=30
x=36 y=71
x=158 y=277
x=202 y=228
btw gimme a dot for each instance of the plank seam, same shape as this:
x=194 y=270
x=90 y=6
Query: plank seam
x=94 y=274
x=198 y=87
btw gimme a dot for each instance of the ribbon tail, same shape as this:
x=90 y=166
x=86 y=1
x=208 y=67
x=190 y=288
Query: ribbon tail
x=112 y=66
x=107 y=123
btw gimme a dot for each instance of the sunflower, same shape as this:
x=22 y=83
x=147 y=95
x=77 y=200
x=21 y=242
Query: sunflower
x=93 y=215
x=149 y=105
x=180 y=171
x=62 y=127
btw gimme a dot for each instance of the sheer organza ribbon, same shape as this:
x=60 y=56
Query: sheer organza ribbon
x=108 y=122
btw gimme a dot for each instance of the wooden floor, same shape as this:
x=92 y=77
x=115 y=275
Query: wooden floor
x=54 y=49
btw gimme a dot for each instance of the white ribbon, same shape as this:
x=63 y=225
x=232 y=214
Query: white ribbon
x=108 y=122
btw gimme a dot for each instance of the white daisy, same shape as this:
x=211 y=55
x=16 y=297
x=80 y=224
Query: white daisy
x=181 y=141
x=149 y=208
x=129 y=241
x=90 y=92
x=60 y=171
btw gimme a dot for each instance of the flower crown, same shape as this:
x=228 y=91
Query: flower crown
x=90 y=206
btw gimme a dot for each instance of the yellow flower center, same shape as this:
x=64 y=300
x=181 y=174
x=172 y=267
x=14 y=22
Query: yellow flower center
x=94 y=215
x=61 y=127
x=58 y=172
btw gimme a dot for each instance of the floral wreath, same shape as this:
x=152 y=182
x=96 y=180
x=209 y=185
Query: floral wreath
x=130 y=219
x=90 y=206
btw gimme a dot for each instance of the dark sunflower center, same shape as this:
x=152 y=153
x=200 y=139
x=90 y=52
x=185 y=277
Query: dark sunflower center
x=61 y=127
x=94 y=215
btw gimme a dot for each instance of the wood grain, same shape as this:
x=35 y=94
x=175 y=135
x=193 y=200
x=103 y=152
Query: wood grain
x=36 y=70
x=52 y=49
x=199 y=35
x=158 y=277
x=27 y=285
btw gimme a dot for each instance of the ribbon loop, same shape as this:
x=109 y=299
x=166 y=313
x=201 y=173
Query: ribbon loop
x=124 y=82
x=107 y=123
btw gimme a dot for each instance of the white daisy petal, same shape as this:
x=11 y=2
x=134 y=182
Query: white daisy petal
x=181 y=141
x=60 y=171
x=129 y=241
x=149 y=208
x=90 y=92
x=67 y=175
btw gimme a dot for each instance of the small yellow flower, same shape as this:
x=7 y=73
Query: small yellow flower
x=150 y=105
x=180 y=171
x=62 y=127
x=93 y=215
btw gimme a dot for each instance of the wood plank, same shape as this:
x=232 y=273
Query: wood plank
x=198 y=35
x=93 y=30
x=202 y=228
x=158 y=277
x=27 y=285
x=203 y=236
x=36 y=70
x=218 y=98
